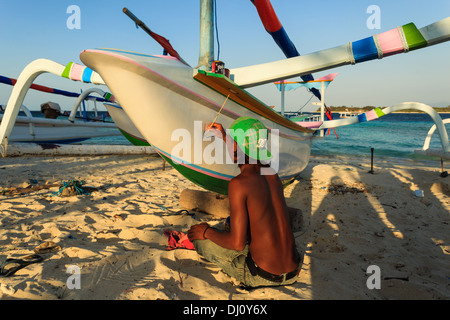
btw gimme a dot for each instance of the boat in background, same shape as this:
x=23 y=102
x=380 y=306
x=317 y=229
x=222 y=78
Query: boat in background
x=50 y=130
x=348 y=114
x=53 y=127
x=444 y=152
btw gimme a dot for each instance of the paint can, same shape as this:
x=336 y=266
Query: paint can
x=218 y=67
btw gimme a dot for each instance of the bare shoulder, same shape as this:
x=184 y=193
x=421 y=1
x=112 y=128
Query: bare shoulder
x=237 y=183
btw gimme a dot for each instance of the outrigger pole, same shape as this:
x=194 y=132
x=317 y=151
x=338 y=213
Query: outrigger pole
x=160 y=39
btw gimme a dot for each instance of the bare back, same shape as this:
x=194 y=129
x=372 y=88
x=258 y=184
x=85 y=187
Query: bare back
x=272 y=243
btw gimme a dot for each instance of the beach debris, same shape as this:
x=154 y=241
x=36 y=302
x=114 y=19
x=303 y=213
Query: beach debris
x=118 y=217
x=342 y=189
x=17 y=264
x=205 y=201
x=47 y=146
x=7 y=289
x=168 y=212
x=48 y=246
x=181 y=279
x=419 y=193
x=74 y=188
x=27 y=188
x=389 y=205
x=397 y=278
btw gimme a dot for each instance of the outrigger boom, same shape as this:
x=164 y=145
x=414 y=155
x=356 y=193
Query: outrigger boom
x=399 y=40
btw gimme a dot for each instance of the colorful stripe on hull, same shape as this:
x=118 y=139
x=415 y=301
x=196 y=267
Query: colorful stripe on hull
x=208 y=179
x=133 y=139
x=77 y=72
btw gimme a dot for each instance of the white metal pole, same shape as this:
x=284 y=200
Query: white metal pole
x=24 y=81
x=206 y=34
x=322 y=105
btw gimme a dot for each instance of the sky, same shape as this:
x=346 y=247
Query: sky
x=39 y=29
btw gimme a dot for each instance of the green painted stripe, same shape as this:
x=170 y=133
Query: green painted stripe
x=413 y=37
x=379 y=112
x=108 y=96
x=135 y=141
x=66 y=72
x=207 y=182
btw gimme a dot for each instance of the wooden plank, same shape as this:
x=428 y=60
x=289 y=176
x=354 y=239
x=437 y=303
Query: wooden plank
x=225 y=86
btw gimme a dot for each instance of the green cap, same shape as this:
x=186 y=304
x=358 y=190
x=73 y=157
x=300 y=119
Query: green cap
x=251 y=137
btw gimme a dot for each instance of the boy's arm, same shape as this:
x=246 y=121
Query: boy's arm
x=236 y=239
x=216 y=129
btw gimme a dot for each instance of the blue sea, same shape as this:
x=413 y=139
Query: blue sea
x=395 y=135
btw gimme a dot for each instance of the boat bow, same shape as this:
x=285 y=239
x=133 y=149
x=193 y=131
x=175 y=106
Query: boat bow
x=171 y=106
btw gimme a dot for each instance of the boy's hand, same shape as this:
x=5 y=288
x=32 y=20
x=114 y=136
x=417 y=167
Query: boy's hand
x=197 y=231
x=215 y=129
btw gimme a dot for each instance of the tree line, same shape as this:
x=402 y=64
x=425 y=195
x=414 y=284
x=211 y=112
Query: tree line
x=368 y=108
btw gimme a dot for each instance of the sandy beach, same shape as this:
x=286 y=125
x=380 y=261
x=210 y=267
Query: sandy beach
x=351 y=220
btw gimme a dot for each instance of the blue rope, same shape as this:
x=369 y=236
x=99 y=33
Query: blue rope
x=217 y=30
x=76 y=184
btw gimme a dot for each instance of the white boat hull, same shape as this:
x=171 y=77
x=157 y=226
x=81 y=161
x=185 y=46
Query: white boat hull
x=125 y=125
x=163 y=100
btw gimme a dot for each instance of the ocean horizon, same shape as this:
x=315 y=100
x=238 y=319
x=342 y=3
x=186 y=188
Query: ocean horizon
x=395 y=135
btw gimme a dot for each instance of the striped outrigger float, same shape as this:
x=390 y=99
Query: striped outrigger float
x=363 y=117
x=399 y=40
x=78 y=72
x=402 y=39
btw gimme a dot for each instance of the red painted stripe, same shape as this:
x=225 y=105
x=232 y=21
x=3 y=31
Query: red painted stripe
x=267 y=15
x=41 y=88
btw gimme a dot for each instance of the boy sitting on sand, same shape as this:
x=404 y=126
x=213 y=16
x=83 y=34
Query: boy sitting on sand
x=259 y=249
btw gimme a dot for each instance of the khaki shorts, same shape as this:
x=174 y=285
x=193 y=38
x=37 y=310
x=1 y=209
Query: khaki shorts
x=234 y=264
